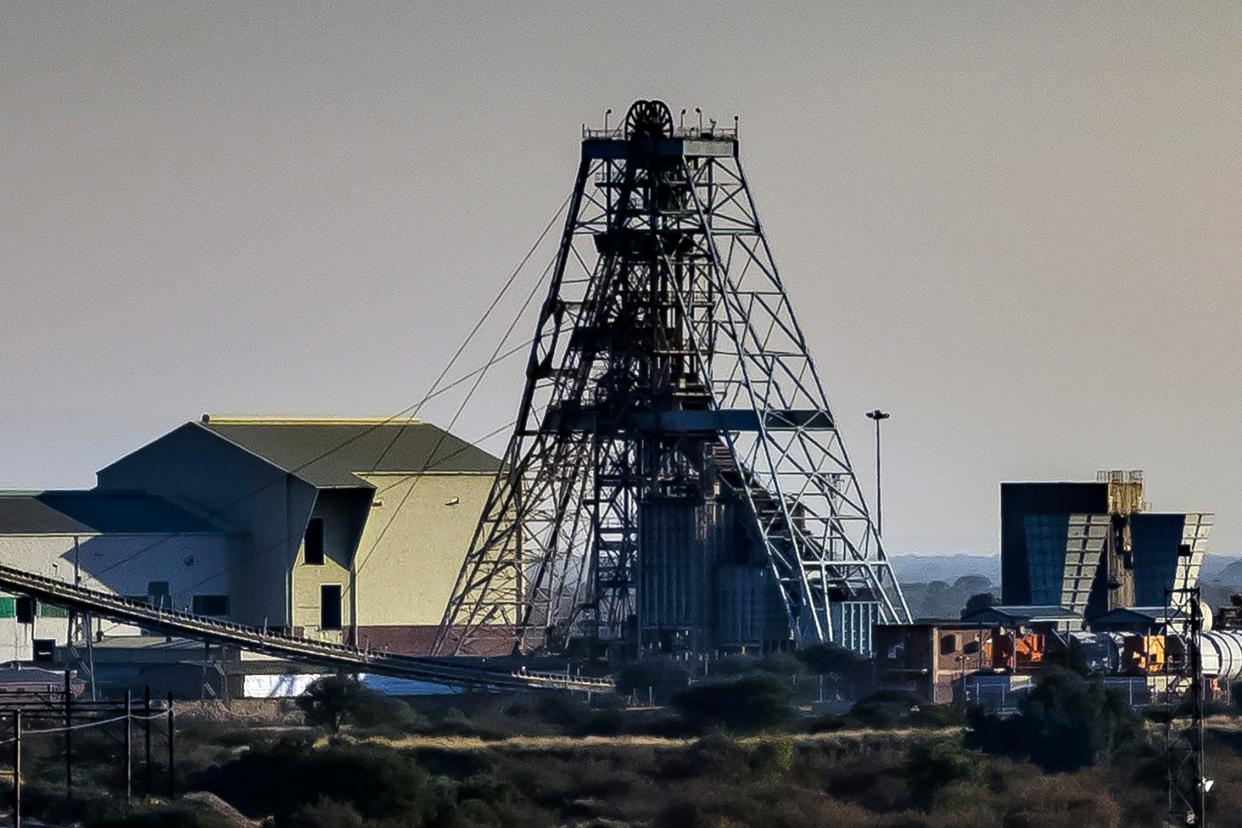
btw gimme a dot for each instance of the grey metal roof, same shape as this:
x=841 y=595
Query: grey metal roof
x=94 y=511
x=15 y=673
x=330 y=453
x=1139 y=614
x=932 y=621
x=1024 y=613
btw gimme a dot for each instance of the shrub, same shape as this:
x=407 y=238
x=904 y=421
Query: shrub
x=168 y=816
x=326 y=813
x=332 y=701
x=751 y=702
x=664 y=676
x=932 y=766
x=885 y=708
x=782 y=665
x=378 y=782
x=1066 y=722
x=773 y=758
x=829 y=659
x=979 y=602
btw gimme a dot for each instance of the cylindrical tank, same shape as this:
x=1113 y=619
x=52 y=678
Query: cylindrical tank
x=1100 y=651
x=1222 y=654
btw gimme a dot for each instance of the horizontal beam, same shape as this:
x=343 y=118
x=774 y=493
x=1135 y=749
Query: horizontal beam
x=687 y=422
x=666 y=148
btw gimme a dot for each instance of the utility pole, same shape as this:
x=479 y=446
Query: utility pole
x=146 y=737
x=878 y=416
x=1184 y=731
x=129 y=750
x=172 y=774
x=17 y=769
x=68 y=738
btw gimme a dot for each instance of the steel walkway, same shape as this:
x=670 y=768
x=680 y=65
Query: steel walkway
x=336 y=656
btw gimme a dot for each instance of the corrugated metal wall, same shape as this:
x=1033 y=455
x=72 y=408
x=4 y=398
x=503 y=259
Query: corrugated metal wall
x=749 y=610
x=853 y=624
x=680 y=544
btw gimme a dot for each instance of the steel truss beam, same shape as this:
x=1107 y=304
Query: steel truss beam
x=666 y=335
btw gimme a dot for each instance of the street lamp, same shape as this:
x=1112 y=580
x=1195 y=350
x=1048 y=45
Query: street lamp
x=878 y=416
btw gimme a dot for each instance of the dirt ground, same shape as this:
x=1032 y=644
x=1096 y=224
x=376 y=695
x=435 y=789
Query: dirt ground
x=537 y=743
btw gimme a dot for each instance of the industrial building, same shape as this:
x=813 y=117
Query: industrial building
x=1094 y=547
x=928 y=656
x=1088 y=574
x=343 y=530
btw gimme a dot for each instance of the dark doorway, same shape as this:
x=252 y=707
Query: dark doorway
x=330 y=607
x=312 y=544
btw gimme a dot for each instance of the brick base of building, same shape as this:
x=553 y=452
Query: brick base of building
x=418 y=639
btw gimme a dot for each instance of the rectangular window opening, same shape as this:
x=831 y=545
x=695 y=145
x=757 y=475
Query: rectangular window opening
x=330 y=607
x=312 y=544
x=26 y=608
x=43 y=650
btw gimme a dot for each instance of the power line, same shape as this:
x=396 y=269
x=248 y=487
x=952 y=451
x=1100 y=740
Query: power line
x=283 y=542
x=508 y=282
x=460 y=408
x=456 y=382
x=498 y=355
x=410 y=410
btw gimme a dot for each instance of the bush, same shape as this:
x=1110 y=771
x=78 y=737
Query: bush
x=751 y=702
x=378 y=782
x=979 y=602
x=1066 y=722
x=829 y=659
x=168 y=816
x=326 y=813
x=332 y=701
x=932 y=766
x=885 y=708
x=664 y=676
x=781 y=665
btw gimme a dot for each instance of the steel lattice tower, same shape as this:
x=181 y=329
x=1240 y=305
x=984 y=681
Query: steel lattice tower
x=667 y=373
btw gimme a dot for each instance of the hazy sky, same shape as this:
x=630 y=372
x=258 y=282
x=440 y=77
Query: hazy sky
x=1018 y=227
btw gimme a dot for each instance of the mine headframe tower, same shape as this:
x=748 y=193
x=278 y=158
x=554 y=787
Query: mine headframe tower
x=667 y=370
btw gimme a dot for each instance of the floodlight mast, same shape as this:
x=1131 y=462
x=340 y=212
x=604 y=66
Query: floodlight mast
x=667 y=365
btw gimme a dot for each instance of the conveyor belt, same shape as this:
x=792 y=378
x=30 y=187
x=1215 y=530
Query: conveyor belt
x=336 y=656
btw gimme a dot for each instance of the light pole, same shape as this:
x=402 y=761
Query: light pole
x=878 y=416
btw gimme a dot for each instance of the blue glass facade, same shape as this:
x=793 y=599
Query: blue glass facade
x=1046 y=537
x=1034 y=534
x=1155 y=539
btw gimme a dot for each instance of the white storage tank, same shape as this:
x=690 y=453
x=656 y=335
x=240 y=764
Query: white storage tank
x=1222 y=654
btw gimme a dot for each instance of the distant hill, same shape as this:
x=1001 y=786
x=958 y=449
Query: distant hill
x=948 y=568
x=937 y=586
x=1224 y=568
x=1220 y=578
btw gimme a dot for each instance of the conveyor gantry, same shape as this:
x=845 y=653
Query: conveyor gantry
x=254 y=639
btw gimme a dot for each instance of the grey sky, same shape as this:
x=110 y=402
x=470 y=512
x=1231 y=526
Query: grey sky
x=1018 y=227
